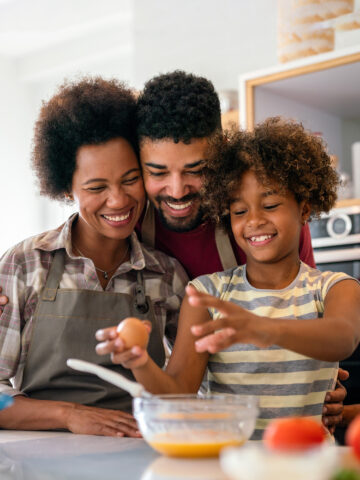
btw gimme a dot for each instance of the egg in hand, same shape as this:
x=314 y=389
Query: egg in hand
x=133 y=331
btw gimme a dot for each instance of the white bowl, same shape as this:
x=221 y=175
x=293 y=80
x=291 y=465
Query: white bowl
x=255 y=462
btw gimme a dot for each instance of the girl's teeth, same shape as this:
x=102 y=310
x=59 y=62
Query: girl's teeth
x=179 y=206
x=117 y=218
x=260 y=239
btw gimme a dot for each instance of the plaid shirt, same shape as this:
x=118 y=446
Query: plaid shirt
x=23 y=272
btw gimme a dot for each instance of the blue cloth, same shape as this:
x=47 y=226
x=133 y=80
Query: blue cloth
x=5 y=401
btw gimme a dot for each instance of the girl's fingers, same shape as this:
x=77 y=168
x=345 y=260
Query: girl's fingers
x=110 y=346
x=199 y=299
x=216 y=342
x=214 y=325
x=106 y=334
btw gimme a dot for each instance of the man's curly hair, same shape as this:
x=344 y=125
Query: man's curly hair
x=278 y=151
x=178 y=106
x=88 y=112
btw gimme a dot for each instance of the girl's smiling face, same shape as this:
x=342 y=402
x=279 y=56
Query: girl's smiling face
x=265 y=221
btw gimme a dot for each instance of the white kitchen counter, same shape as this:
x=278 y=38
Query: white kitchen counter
x=66 y=456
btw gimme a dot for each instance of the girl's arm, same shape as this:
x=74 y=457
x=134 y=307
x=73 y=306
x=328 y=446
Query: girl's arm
x=331 y=338
x=186 y=367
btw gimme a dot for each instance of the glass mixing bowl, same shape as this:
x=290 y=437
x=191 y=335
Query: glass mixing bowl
x=193 y=425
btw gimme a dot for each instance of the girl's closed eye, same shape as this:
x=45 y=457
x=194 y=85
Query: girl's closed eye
x=238 y=212
x=272 y=206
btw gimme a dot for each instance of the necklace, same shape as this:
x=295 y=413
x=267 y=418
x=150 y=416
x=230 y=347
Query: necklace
x=105 y=272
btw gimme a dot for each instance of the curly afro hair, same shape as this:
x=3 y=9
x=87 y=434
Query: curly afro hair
x=178 y=106
x=278 y=151
x=88 y=112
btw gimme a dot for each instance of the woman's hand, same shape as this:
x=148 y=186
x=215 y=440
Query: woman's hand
x=100 y=421
x=236 y=324
x=32 y=414
x=112 y=343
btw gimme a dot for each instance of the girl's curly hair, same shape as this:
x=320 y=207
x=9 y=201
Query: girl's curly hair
x=88 y=112
x=279 y=151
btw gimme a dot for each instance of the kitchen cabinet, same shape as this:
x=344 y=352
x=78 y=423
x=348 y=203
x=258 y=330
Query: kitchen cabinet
x=322 y=91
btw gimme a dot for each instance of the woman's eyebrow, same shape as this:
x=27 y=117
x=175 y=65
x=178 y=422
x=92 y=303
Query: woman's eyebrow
x=92 y=180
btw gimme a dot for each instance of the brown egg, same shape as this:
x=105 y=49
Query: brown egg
x=133 y=332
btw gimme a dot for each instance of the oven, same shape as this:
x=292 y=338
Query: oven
x=336 y=240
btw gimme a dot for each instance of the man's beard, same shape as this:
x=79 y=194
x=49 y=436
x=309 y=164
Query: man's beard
x=180 y=224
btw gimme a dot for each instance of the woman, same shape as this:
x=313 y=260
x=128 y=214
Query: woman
x=87 y=274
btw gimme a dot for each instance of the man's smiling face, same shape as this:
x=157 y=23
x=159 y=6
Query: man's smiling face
x=172 y=177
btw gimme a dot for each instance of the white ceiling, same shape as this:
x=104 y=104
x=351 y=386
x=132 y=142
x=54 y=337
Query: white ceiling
x=30 y=26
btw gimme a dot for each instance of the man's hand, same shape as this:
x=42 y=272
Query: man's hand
x=3 y=300
x=334 y=403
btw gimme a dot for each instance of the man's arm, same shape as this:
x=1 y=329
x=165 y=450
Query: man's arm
x=333 y=410
x=3 y=300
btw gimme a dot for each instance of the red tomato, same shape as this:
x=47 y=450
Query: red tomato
x=352 y=436
x=293 y=433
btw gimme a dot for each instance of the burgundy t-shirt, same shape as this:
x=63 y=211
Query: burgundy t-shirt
x=197 y=252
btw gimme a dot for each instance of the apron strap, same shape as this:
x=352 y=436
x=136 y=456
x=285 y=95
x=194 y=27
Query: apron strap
x=148 y=226
x=225 y=250
x=140 y=302
x=54 y=276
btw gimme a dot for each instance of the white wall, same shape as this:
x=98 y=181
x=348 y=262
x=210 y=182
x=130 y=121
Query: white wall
x=18 y=199
x=329 y=126
x=215 y=38
x=129 y=39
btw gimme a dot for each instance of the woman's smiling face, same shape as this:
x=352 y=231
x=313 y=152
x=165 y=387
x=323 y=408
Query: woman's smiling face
x=266 y=222
x=108 y=188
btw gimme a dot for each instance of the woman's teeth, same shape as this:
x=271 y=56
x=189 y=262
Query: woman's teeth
x=179 y=206
x=117 y=218
x=260 y=238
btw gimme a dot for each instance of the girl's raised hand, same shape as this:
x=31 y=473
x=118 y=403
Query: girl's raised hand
x=236 y=325
x=112 y=343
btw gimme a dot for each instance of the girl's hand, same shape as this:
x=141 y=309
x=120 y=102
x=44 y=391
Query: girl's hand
x=112 y=343
x=236 y=324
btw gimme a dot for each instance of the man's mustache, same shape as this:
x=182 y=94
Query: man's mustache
x=186 y=198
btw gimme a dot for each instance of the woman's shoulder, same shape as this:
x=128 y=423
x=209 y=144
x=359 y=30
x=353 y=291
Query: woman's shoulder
x=30 y=248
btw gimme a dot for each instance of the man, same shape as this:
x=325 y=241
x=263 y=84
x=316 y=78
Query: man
x=177 y=115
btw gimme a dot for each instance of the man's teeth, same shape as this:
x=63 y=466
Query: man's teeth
x=117 y=218
x=179 y=206
x=260 y=238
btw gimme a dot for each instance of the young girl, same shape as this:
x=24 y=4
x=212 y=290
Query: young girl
x=274 y=327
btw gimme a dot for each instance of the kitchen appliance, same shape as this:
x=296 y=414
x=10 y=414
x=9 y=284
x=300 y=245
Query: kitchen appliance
x=336 y=240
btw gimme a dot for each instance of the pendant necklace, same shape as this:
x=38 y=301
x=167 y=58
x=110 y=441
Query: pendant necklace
x=105 y=272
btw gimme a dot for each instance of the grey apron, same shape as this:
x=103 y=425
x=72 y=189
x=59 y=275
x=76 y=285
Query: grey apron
x=65 y=323
x=223 y=244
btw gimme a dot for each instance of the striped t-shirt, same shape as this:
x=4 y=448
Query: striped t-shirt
x=286 y=383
